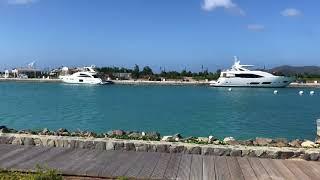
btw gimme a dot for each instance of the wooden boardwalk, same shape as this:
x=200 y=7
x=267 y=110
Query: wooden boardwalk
x=143 y=165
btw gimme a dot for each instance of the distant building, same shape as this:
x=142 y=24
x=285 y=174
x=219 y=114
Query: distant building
x=27 y=72
x=122 y=76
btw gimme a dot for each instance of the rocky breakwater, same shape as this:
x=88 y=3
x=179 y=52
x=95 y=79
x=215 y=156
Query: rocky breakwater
x=153 y=142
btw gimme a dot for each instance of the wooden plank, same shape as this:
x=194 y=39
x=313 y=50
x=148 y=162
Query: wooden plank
x=273 y=172
x=246 y=169
x=149 y=166
x=12 y=153
x=234 y=168
x=258 y=169
x=5 y=148
x=40 y=159
x=129 y=162
x=184 y=167
x=309 y=171
x=208 y=168
x=295 y=170
x=221 y=168
x=80 y=164
x=173 y=166
x=101 y=161
x=160 y=169
x=286 y=173
x=135 y=170
x=115 y=164
x=196 y=167
x=64 y=160
x=24 y=156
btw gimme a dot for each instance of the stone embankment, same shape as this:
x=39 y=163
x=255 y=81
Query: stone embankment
x=152 y=142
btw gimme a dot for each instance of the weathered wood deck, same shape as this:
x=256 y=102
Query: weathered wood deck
x=143 y=165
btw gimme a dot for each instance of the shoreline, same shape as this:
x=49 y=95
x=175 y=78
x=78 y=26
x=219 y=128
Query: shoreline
x=121 y=140
x=146 y=82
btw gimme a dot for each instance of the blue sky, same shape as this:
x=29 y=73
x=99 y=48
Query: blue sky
x=170 y=33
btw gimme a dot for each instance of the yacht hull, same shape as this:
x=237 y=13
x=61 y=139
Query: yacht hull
x=276 y=81
x=71 y=80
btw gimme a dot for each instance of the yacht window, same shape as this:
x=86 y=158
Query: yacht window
x=266 y=83
x=254 y=83
x=285 y=81
x=248 y=76
x=84 y=75
x=95 y=76
x=224 y=75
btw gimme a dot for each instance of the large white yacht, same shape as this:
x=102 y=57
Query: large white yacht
x=87 y=75
x=240 y=76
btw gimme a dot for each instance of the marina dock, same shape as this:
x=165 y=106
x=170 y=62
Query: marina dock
x=147 y=165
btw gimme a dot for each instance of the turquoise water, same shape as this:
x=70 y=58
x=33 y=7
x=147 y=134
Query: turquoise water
x=189 y=110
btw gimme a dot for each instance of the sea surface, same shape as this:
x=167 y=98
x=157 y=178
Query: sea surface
x=190 y=110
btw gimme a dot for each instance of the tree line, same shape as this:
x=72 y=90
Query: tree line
x=147 y=73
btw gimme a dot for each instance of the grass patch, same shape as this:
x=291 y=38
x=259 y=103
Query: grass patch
x=40 y=174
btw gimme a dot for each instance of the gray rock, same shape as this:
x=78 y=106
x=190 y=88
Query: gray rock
x=263 y=141
x=45 y=131
x=62 y=132
x=118 y=132
x=211 y=139
x=233 y=142
x=153 y=135
x=248 y=142
x=221 y=151
x=118 y=146
x=69 y=143
x=305 y=157
x=314 y=156
x=176 y=149
x=193 y=150
x=260 y=153
x=4 y=129
x=141 y=147
x=280 y=142
x=135 y=135
x=110 y=145
x=100 y=145
x=162 y=148
x=235 y=152
x=129 y=147
x=207 y=151
x=227 y=139
x=6 y=140
x=28 y=142
x=177 y=136
x=272 y=154
x=38 y=142
x=152 y=148
x=203 y=139
x=296 y=143
x=286 y=154
x=17 y=141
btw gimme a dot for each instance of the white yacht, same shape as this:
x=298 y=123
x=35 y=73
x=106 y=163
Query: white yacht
x=240 y=76
x=87 y=75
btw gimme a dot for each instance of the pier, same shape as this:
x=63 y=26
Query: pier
x=148 y=165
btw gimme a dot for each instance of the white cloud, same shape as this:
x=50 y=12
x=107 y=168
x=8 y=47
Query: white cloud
x=291 y=12
x=255 y=27
x=210 y=5
x=21 y=2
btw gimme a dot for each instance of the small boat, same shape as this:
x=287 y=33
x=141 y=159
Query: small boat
x=87 y=76
x=240 y=76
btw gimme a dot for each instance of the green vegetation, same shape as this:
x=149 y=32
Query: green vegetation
x=40 y=174
x=148 y=73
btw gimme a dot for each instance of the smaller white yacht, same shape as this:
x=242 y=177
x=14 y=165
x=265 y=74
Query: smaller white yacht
x=86 y=75
x=240 y=76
